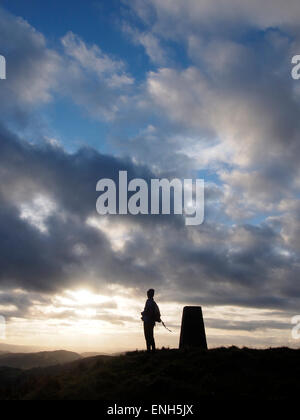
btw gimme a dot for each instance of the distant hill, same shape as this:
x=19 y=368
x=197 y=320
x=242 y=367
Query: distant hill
x=92 y=354
x=34 y=360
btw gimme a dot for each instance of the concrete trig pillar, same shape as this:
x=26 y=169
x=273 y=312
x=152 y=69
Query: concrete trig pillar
x=192 y=328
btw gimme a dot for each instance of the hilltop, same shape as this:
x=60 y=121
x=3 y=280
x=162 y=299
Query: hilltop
x=168 y=375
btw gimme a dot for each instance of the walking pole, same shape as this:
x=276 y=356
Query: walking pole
x=165 y=326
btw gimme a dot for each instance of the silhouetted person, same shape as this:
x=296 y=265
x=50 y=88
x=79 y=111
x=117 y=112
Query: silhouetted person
x=150 y=315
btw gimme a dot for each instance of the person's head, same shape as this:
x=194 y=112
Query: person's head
x=150 y=293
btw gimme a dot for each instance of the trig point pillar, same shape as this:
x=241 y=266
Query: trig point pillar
x=192 y=328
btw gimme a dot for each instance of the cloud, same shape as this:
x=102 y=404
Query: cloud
x=92 y=79
x=31 y=68
x=243 y=119
x=18 y=303
x=149 y=42
x=37 y=74
x=249 y=326
x=234 y=104
x=55 y=246
x=170 y=18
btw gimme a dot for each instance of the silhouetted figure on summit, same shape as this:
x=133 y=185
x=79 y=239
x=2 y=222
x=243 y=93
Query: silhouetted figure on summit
x=150 y=316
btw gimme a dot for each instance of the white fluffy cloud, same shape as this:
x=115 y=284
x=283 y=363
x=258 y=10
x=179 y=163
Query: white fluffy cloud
x=172 y=17
x=93 y=80
x=83 y=73
x=31 y=67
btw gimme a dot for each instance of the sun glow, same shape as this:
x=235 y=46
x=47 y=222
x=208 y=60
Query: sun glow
x=84 y=297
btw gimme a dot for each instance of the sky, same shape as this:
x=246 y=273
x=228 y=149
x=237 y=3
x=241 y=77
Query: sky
x=161 y=89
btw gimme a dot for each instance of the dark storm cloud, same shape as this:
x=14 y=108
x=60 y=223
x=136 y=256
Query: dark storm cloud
x=18 y=304
x=48 y=260
x=70 y=178
x=217 y=269
x=35 y=261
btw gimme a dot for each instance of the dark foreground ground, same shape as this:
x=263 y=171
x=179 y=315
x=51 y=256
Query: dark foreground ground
x=169 y=375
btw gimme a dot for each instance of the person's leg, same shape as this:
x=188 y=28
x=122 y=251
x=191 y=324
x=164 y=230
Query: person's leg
x=152 y=341
x=147 y=333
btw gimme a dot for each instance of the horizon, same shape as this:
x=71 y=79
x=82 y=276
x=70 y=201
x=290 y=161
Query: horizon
x=160 y=91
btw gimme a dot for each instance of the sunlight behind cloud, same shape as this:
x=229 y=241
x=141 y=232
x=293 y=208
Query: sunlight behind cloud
x=117 y=233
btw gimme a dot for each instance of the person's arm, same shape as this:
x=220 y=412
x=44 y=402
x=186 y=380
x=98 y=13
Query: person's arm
x=146 y=309
x=158 y=310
